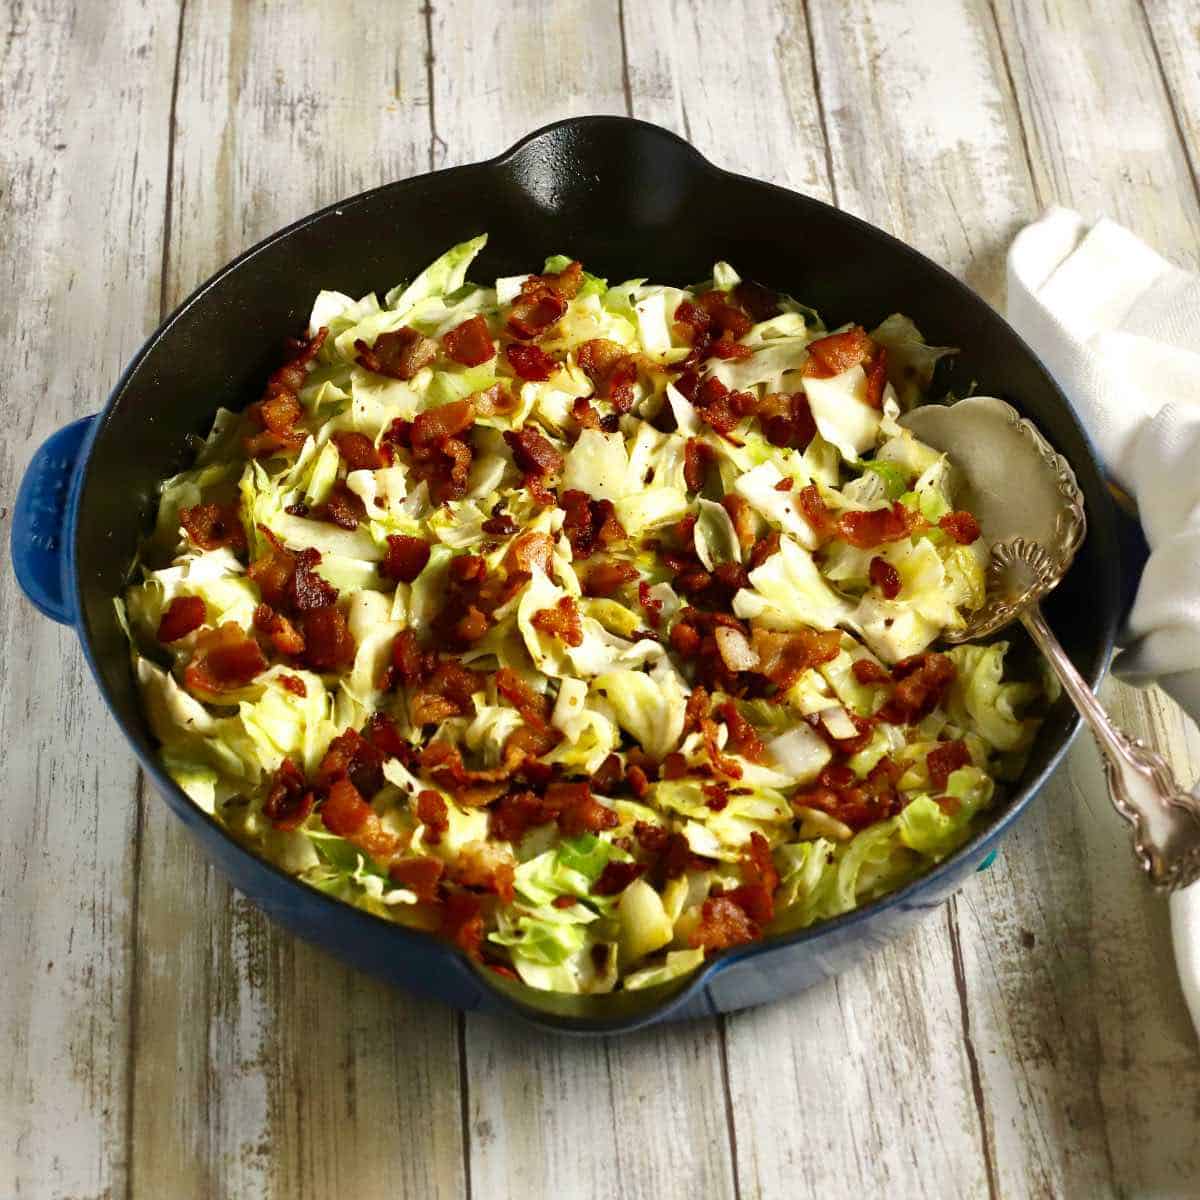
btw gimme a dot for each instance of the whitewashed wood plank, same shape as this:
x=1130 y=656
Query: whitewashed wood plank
x=637 y=1117
x=1098 y=119
x=501 y=71
x=1175 y=32
x=263 y=1068
x=79 y=266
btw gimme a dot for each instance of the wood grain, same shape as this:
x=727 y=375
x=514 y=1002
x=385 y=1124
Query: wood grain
x=79 y=262
x=157 y=1036
x=264 y=1068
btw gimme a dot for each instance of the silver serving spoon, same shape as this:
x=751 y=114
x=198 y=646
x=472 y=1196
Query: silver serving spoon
x=1030 y=509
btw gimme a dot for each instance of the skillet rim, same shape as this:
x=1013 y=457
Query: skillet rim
x=1102 y=522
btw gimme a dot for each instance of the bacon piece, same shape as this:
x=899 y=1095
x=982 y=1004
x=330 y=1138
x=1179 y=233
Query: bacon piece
x=530 y=362
x=277 y=412
x=726 y=348
x=328 y=643
x=533 y=707
x=446 y=420
x=589 y=524
x=877 y=525
x=867 y=671
x=516 y=814
x=743 y=738
x=500 y=524
x=306 y=589
x=944 y=759
x=612 y=369
x=273 y=572
x=921 y=682
x=961 y=526
x=290 y=799
x=421 y=876
x=562 y=622
x=351 y=756
x=410 y=663
x=578 y=810
x=721 y=763
x=763 y=549
x=431 y=812
x=211 y=526
x=716 y=407
x=470 y=343
x=542 y=301
x=885 y=577
x=838 y=352
x=342 y=507
x=794 y=427
x=784 y=657
x=498 y=400
x=616 y=877
x=726 y=318
x=294 y=684
x=462 y=923
x=533 y=453
x=399 y=354
x=607 y=577
x=184 y=615
x=382 y=733
x=484 y=866
x=358 y=451
x=815 y=511
x=406 y=557
x=446 y=693
x=224 y=659
x=283 y=635
x=856 y=803
x=697 y=456
x=528 y=551
x=756 y=895
x=723 y=923
x=345 y=812
x=877 y=379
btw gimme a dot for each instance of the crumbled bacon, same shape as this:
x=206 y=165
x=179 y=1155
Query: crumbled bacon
x=184 y=615
x=756 y=895
x=399 y=354
x=306 y=589
x=470 y=343
x=607 y=577
x=793 y=426
x=562 y=622
x=211 y=526
x=358 y=451
x=877 y=379
x=762 y=549
x=760 y=302
x=500 y=524
x=432 y=813
x=721 y=763
x=845 y=745
x=277 y=412
x=328 y=643
x=290 y=799
x=528 y=551
x=868 y=671
x=542 y=301
x=855 y=802
x=281 y=633
x=345 y=812
x=273 y=571
x=697 y=456
x=717 y=406
x=496 y=401
x=484 y=866
x=533 y=453
x=616 y=877
x=944 y=759
x=533 y=707
x=351 y=756
x=224 y=659
x=293 y=684
x=440 y=456
x=406 y=557
x=961 y=526
x=877 y=525
x=578 y=811
x=743 y=737
x=612 y=369
x=382 y=733
x=530 y=363
x=421 y=876
x=723 y=923
x=885 y=577
x=341 y=507
x=921 y=682
x=784 y=657
x=589 y=524
x=446 y=693
x=815 y=511
x=838 y=352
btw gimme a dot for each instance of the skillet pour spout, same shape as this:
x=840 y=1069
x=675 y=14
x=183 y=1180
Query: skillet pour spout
x=628 y=199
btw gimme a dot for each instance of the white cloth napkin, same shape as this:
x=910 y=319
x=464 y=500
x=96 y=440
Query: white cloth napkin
x=1119 y=328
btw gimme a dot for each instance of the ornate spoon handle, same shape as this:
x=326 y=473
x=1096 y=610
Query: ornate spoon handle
x=1164 y=817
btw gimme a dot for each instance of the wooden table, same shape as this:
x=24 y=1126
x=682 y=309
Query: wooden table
x=158 y=1039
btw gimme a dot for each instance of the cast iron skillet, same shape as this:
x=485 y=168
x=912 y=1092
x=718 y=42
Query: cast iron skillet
x=628 y=199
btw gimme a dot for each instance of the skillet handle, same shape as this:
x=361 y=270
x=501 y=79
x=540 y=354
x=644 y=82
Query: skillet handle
x=37 y=545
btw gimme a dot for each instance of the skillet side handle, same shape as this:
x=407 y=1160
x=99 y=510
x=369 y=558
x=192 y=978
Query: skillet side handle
x=37 y=543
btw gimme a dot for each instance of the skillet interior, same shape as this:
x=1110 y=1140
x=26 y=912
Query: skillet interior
x=628 y=199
